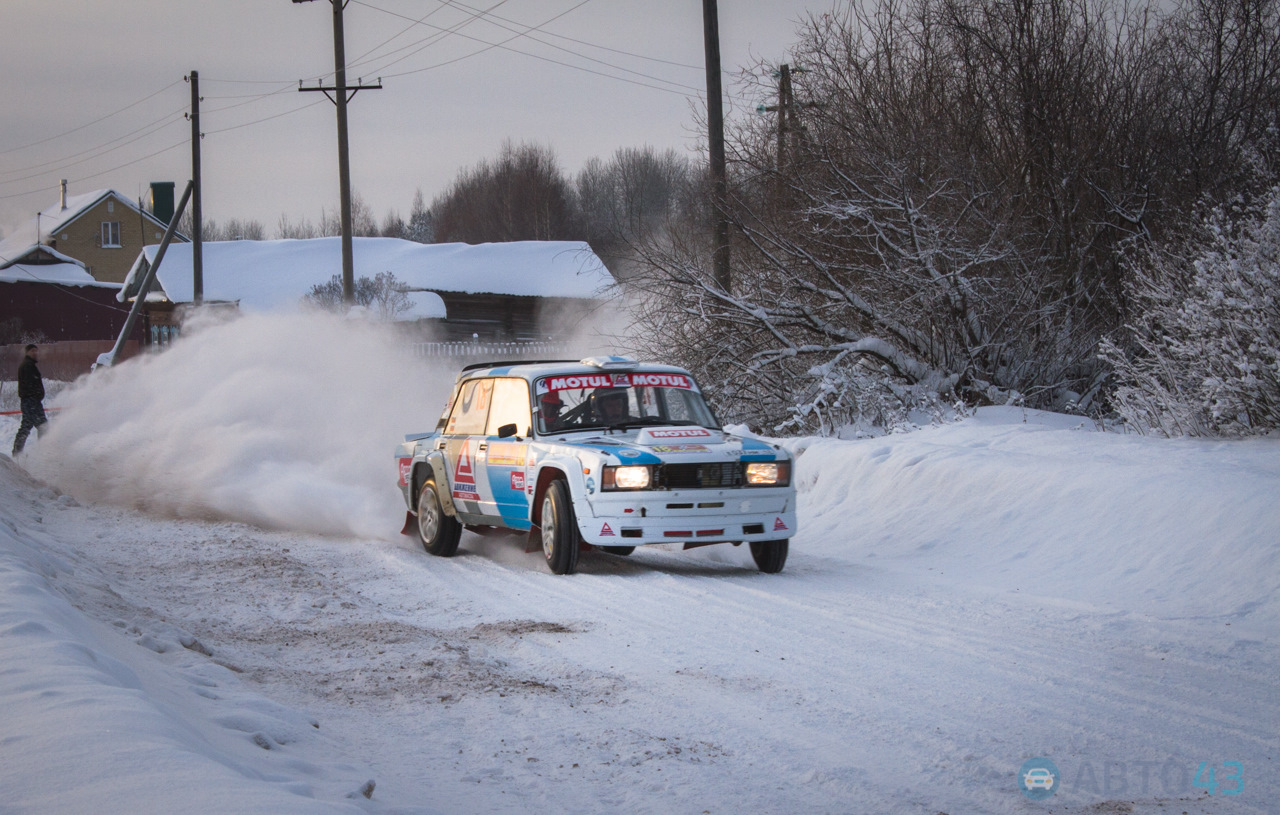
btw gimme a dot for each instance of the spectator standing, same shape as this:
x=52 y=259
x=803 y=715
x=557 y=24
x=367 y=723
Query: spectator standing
x=31 y=395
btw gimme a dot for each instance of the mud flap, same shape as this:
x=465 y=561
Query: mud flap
x=410 y=524
x=533 y=543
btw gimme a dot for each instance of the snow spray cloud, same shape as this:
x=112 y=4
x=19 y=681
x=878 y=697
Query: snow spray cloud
x=283 y=421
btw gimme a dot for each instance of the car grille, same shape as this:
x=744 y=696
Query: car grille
x=692 y=476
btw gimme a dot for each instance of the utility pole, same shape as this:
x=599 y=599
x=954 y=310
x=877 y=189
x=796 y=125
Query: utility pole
x=715 y=133
x=197 y=236
x=340 y=98
x=790 y=132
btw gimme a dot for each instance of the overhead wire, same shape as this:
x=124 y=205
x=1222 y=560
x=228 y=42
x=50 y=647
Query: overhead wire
x=94 y=122
x=524 y=33
x=413 y=24
x=174 y=146
x=163 y=121
x=456 y=4
x=431 y=39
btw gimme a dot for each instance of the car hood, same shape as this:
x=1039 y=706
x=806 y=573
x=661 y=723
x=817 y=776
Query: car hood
x=659 y=445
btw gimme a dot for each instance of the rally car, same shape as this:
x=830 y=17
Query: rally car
x=604 y=453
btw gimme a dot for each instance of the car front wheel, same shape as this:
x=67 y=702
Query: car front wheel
x=560 y=539
x=770 y=556
x=438 y=532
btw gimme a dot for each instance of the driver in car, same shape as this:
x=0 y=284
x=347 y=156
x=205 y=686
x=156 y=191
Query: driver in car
x=611 y=405
x=549 y=405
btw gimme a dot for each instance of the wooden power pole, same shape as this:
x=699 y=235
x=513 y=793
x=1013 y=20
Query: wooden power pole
x=715 y=134
x=197 y=236
x=340 y=90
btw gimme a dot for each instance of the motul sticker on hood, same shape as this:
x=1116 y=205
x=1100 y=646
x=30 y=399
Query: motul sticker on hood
x=674 y=435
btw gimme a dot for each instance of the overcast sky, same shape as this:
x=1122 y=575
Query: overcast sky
x=94 y=92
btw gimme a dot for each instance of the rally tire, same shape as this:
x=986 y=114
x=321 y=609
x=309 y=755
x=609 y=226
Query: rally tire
x=621 y=551
x=770 y=556
x=438 y=532
x=560 y=539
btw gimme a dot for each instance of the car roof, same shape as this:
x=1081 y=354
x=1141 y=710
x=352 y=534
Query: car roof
x=534 y=370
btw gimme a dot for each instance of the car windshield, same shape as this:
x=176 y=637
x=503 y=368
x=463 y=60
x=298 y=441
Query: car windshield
x=603 y=401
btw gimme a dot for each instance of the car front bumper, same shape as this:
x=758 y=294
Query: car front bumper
x=696 y=516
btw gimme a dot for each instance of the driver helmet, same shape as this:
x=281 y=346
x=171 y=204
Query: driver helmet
x=616 y=396
x=550 y=401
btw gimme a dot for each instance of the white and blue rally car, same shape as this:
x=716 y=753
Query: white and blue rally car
x=604 y=453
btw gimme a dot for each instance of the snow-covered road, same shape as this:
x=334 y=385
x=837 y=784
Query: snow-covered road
x=959 y=600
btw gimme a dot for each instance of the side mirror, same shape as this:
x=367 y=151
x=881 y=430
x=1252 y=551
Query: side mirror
x=507 y=431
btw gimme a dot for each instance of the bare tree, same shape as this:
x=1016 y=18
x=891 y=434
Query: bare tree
x=382 y=294
x=522 y=195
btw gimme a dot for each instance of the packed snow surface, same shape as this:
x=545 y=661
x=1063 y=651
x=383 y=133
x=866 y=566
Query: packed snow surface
x=205 y=606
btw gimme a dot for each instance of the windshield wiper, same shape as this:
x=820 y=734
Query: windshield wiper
x=646 y=421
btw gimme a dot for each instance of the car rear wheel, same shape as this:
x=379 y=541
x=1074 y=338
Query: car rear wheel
x=770 y=556
x=438 y=532
x=560 y=539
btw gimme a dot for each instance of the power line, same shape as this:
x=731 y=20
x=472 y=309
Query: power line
x=90 y=124
x=412 y=24
x=264 y=119
x=491 y=45
x=440 y=32
x=57 y=163
x=455 y=4
x=250 y=98
x=174 y=146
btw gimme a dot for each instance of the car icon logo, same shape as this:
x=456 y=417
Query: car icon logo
x=1038 y=778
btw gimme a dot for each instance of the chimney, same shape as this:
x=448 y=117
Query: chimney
x=64 y=194
x=162 y=200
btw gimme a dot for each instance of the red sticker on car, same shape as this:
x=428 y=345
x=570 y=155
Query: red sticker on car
x=464 y=480
x=606 y=532
x=778 y=524
x=517 y=481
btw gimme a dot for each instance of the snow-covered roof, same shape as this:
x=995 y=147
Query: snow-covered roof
x=267 y=275
x=64 y=271
x=54 y=218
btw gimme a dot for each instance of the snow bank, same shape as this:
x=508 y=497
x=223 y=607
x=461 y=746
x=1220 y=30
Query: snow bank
x=93 y=723
x=1040 y=503
x=285 y=421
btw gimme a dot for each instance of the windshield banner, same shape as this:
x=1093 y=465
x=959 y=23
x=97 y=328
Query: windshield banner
x=574 y=382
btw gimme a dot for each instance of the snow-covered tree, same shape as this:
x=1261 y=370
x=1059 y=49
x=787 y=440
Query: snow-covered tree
x=1202 y=353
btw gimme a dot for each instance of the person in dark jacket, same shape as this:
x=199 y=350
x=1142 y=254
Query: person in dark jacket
x=31 y=395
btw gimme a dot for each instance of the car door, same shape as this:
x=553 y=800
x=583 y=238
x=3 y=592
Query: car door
x=503 y=460
x=464 y=437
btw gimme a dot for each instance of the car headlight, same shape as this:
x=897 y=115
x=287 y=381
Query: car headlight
x=768 y=473
x=630 y=477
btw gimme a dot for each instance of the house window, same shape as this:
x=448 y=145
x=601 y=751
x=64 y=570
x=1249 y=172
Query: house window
x=111 y=234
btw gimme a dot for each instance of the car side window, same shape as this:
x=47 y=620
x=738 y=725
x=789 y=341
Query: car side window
x=510 y=406
x=471 y=408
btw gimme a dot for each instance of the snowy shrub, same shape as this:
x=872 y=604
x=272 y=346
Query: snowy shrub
x=382 y=294
x=1202 y=355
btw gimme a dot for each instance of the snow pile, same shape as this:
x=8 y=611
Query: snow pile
x=94 y=723
x=1035 y=502
x=285 y=421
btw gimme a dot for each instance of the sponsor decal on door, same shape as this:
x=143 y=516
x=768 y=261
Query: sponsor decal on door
x=464 y=479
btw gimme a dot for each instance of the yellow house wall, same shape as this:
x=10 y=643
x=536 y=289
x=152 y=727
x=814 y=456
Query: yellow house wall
x=81 y=239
